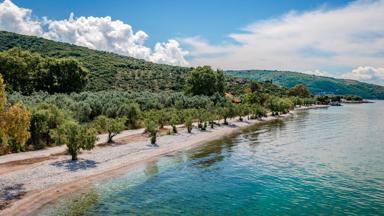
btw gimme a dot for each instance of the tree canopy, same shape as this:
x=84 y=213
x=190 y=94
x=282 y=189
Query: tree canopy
x=299 y=90
x=14 y=124
x=205 y=81
x=27 y=72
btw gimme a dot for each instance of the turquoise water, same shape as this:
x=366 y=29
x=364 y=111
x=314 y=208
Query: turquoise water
x=322 y=162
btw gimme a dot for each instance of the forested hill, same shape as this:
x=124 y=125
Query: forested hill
x=107 y=70
x=317 y=84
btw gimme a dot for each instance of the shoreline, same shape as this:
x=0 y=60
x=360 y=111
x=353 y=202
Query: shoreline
x=64 y=177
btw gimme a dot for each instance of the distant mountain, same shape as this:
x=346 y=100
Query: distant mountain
x=317 y=84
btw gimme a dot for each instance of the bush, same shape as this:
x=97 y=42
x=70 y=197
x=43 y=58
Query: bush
x=45 y=117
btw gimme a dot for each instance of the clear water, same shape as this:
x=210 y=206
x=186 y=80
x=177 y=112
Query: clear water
x=322 y=162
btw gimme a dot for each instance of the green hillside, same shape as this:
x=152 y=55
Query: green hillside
x=108 y=70
x=317 y=84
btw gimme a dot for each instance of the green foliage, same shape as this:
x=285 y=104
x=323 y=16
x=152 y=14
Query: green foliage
x=205 y=81
x=107 y=70
x=255 y=86
x=112 y=103
x=75 y=136
x=299 y=90
x=132 y=112
x=175 y=119
x=188 y=123
x=258 y=111
x=227 y=110
x=109 y=125
x=279 y=105
x=152 y=129
x=352 y=98
x=26 y=72
x=14 y=124
x=255 y=98
x=318 y=85
x=45 y=117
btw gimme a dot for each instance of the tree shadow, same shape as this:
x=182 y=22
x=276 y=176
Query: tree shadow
x=11 y=193
x=75 y=165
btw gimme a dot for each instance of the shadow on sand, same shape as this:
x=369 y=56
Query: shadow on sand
x=75 y=165
x=11 y=193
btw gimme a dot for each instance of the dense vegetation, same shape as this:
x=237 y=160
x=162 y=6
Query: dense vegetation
x=106 y=70
x=318 y=85
x=61 y=94
x=73 y=119
x=28 y=72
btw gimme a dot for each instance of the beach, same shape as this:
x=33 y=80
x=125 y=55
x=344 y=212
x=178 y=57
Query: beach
x=32 y=179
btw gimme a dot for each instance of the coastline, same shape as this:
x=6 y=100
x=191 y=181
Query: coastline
x=61 y=176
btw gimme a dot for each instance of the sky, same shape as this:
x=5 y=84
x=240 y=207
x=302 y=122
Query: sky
x=339 y=38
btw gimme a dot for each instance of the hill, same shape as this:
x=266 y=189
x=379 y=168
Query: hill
x=107 y=70
x=317 y=84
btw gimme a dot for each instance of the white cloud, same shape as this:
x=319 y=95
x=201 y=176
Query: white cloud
x=346 y=38
x=19 y=20
x=367 y=74
x=101 y=33
x=318 y=73
x=169 y=53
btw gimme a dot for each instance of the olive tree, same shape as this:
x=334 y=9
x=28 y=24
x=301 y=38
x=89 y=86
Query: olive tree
x=75 y=136
x=109 y=125
x=152 y=129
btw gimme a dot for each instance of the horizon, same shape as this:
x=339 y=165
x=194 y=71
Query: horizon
x=257 y=35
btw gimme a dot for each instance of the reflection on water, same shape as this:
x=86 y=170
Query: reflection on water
x=322 y=162
x=151 y=168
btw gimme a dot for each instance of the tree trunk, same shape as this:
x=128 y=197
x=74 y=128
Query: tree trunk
x=74 y=156
x=110 y=136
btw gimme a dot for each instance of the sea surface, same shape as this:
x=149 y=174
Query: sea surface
x=321 y=162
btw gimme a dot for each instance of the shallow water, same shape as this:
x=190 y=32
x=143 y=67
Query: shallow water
x=322 y=162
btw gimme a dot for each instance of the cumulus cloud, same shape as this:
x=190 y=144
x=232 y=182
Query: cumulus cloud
x=19 y=20
x=101 y=33
x=367 y=74
x=345 y=37
x=318 y=73
x=169 y=53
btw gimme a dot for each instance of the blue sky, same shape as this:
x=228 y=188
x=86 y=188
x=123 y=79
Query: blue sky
x=164 y=19
x=337 y=38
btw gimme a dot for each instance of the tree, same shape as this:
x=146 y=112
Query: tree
x=152 y=129
x=227 y=110
x=254 y=86
x=132 y=112
x=109 y=125
x=279 y=105
x=174 y=120
x=258 y=111
x=299 y=90
x=45 y=117
x=26 y=72
x=205 y=81
x=188 y=123
x=14 y=123
x=75 y=136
